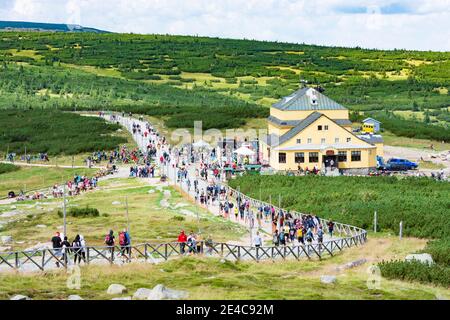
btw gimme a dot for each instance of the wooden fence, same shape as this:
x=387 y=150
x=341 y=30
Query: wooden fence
x=48 y=258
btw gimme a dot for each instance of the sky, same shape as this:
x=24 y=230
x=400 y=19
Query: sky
x=382 y=24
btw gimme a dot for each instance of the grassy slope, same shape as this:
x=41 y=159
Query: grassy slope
x=30 y=178
x=148 y=220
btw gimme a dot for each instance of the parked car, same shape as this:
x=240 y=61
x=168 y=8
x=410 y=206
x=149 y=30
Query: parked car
x=395 y=164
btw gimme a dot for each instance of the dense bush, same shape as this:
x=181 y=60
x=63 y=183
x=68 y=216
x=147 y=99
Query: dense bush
x=412 y=128
x=421 y=203
x=416 y=271
x=5 y=168
x=439 y=250
x=81 y=212
x=55 y=132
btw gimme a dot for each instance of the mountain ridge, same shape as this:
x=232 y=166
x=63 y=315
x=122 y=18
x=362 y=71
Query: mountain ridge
x=42 y=27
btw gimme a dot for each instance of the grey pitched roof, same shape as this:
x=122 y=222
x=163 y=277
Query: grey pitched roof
x=343 y=122
x=370 y=138
x=300 y=127
x=302 y=100
x=293 y=123
x=371 y=119
x=279 y=122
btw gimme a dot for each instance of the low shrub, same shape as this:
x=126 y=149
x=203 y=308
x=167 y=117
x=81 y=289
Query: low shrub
x=416 y=271
x=81 y=212
x=5 y=168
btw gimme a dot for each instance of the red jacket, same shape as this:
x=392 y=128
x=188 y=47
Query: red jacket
x=182 y=237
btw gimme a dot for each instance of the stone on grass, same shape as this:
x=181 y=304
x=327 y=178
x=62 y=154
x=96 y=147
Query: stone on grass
x=74 y=297
x=20 y=297
x=116 y=203
x=423 y=258
x=160 y=292
x=6 y=239
x=142 y=294
x=116 y=289
x=328 y=279
x=5 y=249
x=42 y=226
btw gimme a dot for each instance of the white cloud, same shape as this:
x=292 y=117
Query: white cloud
x=411 y=24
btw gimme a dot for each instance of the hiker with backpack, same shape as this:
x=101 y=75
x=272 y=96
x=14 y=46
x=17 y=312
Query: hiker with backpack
x=123 y=243
x=109 y=241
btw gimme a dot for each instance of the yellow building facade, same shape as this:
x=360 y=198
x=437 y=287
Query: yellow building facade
x=309 y=130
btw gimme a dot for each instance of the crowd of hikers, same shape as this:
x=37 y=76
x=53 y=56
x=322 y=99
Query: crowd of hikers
x=74 y=187
x=286 y=228
x=63 y=249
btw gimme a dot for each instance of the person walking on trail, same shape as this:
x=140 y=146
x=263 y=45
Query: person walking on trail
x=66 y=247
x=276 y=239
x=123 y=243
x=57 y=245
x=182 y=239
x=309 y=235
x=209 y=245
x=330 y=228
x=282 y=238
x=109 y=241
x=77 y=248
x=300 y=236
x=320 y=235
x=258 y=240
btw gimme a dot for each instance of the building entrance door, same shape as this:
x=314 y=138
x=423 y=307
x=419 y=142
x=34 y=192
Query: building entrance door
x=330 y=161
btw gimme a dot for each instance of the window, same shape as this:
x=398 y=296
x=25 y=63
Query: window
x=299 y=141
x=325 y=128
x=313 y=157
x=356 y=155
x=309 y=140
x=282 y=157
x=319 y=128
x=336 y=140
x=342 y=156
x=299 y=157
x=322 y=140
x=349 y=139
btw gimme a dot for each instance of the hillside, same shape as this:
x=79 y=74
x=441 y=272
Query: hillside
x=158 y=74
x=37 y=26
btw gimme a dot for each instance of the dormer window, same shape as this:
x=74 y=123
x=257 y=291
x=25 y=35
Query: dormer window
x=319 y=128
x=299 y=141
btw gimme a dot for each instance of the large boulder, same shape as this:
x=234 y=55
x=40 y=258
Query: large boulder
x=142 y=294
x=328 y=279
x=20 y=297
x=116 y=289
x=422 y=257
x=160 y=292
x=74 y=297
x=6 y=239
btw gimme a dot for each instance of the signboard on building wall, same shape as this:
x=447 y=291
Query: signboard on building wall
x=330 y=153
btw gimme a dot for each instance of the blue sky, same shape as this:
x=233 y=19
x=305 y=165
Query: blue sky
x=385 y=24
